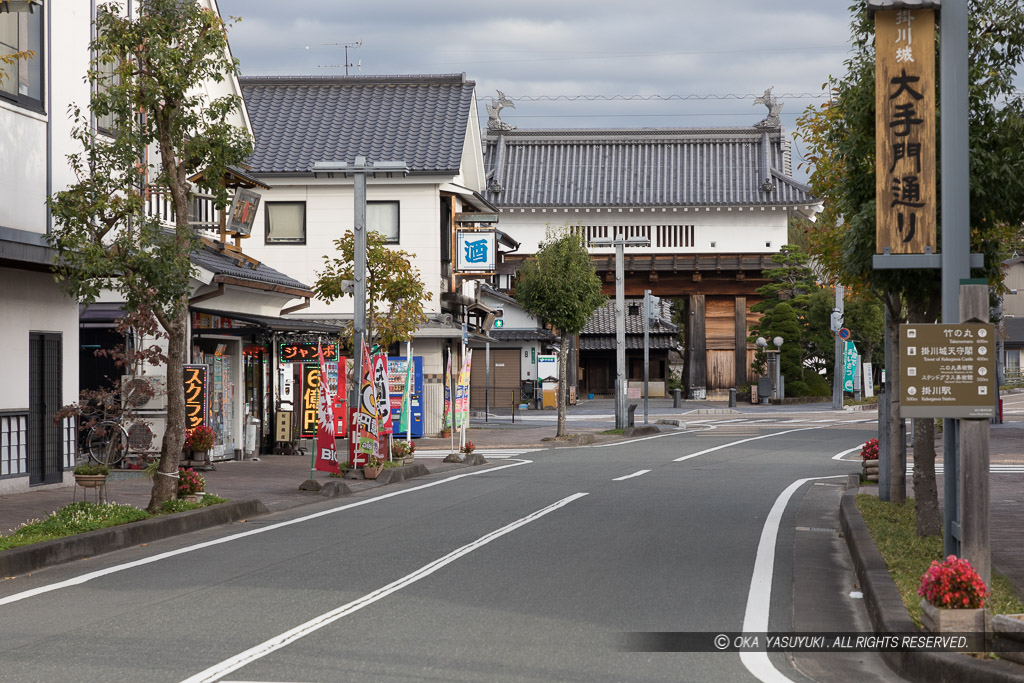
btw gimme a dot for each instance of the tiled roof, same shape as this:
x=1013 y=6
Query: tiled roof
x=421 y=120
x=606 y=342
x=222 y=263
x=880 y=5
x=642 y=167
x=523 y=335
x=602 y=322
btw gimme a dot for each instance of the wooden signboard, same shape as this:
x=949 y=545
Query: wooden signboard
x=947 y=370
x=905 y=131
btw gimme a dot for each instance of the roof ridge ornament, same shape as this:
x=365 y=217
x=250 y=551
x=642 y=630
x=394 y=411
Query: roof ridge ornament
x=494 y=121
x=774 y=108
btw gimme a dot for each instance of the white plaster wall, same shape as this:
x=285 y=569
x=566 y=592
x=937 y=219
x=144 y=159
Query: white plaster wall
x=329 y=215
x=31 y=302
x=22 y=169
x=749 y=231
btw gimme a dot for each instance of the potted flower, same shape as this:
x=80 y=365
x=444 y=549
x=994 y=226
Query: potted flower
x=200 y=439
x=373 y=467
x=468 y=448
x=90 y=476
x=191 y=485
x=952 y=597
x=869 y=460
x=403 y=450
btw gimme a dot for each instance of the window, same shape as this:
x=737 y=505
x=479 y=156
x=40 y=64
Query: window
x=106 y=76
x=382 y=217
x=22 y=80
x=286 y=222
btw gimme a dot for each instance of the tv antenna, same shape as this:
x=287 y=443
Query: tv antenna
x=358 y=43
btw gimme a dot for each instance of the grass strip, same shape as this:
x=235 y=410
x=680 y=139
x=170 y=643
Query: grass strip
x=908 y=556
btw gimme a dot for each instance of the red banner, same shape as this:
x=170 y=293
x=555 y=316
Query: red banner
x=366 y=419
x=326 y=446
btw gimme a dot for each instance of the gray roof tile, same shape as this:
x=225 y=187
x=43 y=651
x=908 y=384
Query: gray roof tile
x=421 y=120
x=641 y=167
x=221 y=263
x=602 y=322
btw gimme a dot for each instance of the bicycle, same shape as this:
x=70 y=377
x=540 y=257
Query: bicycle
x=107 y=442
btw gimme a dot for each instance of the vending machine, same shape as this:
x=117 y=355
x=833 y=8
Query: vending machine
x=397 y=368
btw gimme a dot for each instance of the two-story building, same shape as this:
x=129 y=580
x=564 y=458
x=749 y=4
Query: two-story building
x=39 y=332
x=422 y=134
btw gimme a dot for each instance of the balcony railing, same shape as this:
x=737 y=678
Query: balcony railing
x=202 y=214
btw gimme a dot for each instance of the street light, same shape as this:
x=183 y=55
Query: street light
x=620 y=320
x=358 y=171
x=774 y=364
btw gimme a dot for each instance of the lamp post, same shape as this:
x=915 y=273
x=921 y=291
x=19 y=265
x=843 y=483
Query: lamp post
x=780 y=391
x=620 y=320
x=358 y=171
x=774 y=366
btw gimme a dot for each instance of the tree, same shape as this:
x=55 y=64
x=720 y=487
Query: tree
x=160 y=57
x=840 y=137
x=561 y=286
x=394 y=292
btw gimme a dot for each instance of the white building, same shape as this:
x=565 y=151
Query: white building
x=39 y=332
x=427 y=122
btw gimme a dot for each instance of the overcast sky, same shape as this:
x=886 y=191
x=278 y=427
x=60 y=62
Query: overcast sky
x=726 y=51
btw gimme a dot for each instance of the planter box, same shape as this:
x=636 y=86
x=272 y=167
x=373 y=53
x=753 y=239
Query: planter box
x=90 y=481
x=869 y=468
x=944 y=620
x=1008 y=636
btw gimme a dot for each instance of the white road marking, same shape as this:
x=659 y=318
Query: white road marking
x=646 y=438
x=78 y=580
x=630 y=476
x=759 y=598
x=736 y=443
x=839 y=456
x=218 y=671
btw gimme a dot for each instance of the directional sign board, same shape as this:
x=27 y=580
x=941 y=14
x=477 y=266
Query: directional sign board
x=947 y=370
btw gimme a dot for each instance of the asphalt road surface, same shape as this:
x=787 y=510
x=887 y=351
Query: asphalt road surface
x=542 y=566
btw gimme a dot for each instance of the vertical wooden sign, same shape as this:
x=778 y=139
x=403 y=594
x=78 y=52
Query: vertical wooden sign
x=905 y=131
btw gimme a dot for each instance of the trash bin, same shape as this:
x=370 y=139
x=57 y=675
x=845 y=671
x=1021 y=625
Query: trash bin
x=252 y=429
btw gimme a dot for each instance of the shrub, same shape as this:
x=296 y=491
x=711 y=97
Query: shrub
x=954 y=584
x=87 y=468
x=190 y=482
x=869 y=451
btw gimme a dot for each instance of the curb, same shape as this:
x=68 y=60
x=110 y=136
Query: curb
x=888 y=615
x=62 y=550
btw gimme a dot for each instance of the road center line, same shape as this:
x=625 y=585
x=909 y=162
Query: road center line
x=736 y=443
x=217 y=671
x=252 y=532
x=630 y=476
x=759 y=598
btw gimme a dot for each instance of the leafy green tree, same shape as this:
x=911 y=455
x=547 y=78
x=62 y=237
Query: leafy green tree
x=561 y=286
x=395 y=295
x=840 y=137
x=104 y=239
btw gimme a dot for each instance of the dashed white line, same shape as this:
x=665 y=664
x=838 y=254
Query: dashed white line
x=630 y=476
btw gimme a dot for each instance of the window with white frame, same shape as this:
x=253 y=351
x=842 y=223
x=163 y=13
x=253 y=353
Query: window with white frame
x=382 y=217
x=286 y=222
x=22 y=79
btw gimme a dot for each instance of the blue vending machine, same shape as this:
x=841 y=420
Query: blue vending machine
x=396 y=380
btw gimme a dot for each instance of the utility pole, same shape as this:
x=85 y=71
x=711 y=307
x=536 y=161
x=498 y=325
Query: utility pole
x=620 y=320
x=837 y=372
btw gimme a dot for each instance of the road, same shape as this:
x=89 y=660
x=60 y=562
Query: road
x=538 y=567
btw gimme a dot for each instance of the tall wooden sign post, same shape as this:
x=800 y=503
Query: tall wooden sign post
x=905 y=231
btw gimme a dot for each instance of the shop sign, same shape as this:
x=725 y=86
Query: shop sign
x=947 y=370
x=305 y=352
x=905 y=131
x=243 y=211
x=197 y=404
x=380 y=383
x=475 y=250
x=309 y=400
x=208 y=321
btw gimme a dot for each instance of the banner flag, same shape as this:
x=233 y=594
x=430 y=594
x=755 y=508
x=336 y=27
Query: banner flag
x=405 y=412
x=326 y=446
x=462 y=392
x=366 y=418
x=448 y=393
x=850 y=361
x=381 y=386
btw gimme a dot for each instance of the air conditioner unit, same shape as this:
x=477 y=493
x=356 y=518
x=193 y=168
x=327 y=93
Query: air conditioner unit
x=144 y=392
x=146 y=435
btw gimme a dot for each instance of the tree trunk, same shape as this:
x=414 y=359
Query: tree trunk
x=926 y=496
x=562 y=384
x=165 y=483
